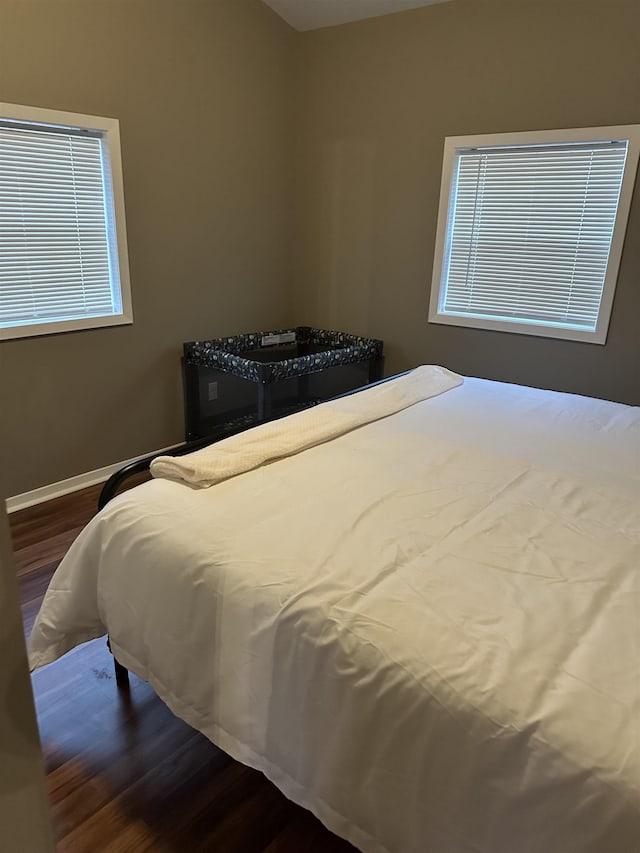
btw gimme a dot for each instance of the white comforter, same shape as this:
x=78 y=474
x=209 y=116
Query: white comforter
x=426 y=630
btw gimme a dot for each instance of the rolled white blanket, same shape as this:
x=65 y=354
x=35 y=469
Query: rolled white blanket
x=280 y=438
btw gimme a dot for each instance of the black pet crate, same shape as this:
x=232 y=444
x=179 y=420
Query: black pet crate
x=247 y=379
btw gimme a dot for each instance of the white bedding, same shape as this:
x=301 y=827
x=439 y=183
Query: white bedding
x=426 y=630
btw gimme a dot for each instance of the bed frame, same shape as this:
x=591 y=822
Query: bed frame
x=115 y=481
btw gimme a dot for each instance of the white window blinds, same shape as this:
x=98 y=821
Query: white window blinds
x=528 y=235
x=531 y=232
x=58 y=239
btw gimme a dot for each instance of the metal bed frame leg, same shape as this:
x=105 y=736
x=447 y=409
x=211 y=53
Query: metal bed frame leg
x=122 y=673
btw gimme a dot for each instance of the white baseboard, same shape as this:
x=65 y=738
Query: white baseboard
x=72 y=484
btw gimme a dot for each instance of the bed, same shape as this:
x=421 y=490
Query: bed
x=420 y=617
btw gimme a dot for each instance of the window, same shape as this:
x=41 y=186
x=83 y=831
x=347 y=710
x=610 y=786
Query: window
x=530 y=230
x=63 y=250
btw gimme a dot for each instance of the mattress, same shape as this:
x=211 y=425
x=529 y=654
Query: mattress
x=426 y=629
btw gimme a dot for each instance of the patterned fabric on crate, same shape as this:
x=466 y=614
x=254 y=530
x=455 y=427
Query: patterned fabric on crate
x=223 y=353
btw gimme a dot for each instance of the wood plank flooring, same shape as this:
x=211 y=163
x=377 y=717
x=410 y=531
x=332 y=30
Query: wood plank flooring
x=125 y=775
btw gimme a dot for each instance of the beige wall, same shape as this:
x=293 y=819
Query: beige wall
x=24 y=813
x=375 y=100
x=202 y=92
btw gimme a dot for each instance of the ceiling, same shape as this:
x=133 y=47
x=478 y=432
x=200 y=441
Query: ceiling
x=313 y=14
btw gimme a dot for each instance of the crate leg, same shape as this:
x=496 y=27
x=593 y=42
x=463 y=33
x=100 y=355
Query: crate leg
x=376 y=369
x=264 y=401
x=303 y=389
x=191 y=391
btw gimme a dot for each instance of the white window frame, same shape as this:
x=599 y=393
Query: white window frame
x=108 y=130
x=453 y=144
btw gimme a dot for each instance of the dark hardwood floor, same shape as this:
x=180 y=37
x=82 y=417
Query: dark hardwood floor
x=124 y=774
